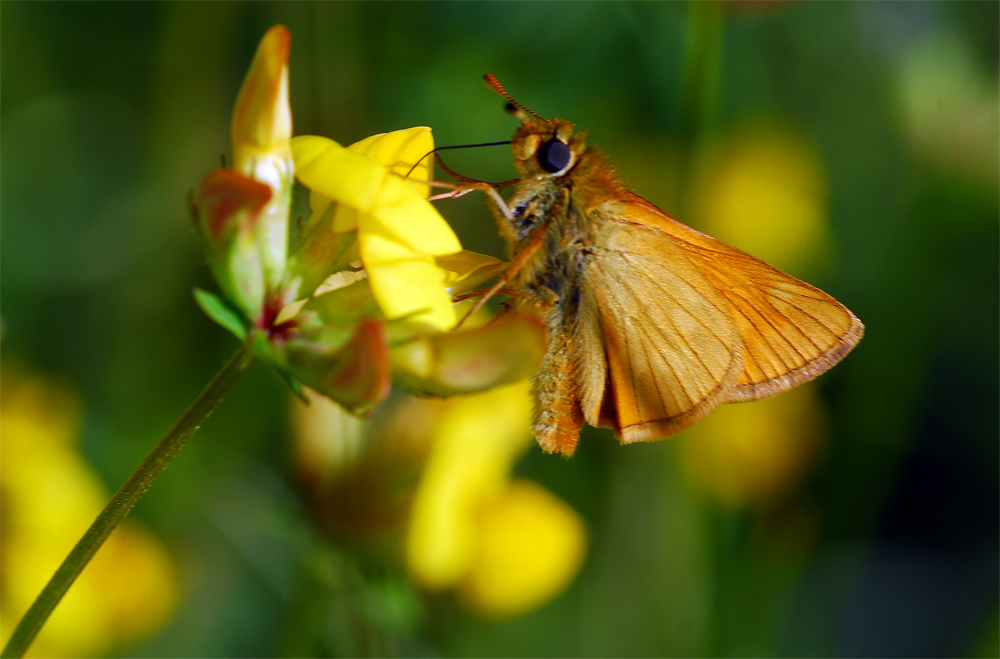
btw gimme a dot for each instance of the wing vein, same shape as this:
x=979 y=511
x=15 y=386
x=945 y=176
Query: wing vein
x=673 y=299
x=645 y=274
x=676 y=374
x=677 y=330
x=820 y=322
x=779 y=333
x=797 y=328
x=763 y=340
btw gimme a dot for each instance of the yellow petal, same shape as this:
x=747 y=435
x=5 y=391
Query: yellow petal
x=400 y=151
x=355 y=180
x=530 y=545
x=405 y=282
x=412 y=289
x=332 y=171
x=413 y=219
x=345 y=219
x=475 y=445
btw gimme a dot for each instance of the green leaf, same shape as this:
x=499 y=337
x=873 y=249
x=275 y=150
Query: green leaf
x=221 y=312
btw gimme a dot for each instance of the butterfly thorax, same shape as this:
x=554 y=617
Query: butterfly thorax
x=564 y=205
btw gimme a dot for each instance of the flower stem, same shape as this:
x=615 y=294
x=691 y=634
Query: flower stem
x=125 y=498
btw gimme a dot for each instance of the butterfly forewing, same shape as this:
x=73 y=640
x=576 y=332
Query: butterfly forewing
x=790 y=331
x=672 y=352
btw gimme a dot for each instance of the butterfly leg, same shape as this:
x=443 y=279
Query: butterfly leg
x=529 y=250
x=460 y=190
x=482 y=291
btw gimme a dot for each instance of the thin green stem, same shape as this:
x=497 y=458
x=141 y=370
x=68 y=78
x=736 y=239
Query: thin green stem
x=125 y=498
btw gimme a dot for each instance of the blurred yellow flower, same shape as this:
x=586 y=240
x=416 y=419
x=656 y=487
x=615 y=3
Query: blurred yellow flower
x=399 y=232
x=507 y=548
x=765 y=192
x=435 y=477
x=750 y=455
x=476 y=440
x=50 y=497
x=530 y=545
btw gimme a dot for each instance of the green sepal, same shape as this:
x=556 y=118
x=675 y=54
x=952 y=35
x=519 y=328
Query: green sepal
x=335 y=315
x=221 y=312
x=264 y=349
x=320 y=251
x=293 y=384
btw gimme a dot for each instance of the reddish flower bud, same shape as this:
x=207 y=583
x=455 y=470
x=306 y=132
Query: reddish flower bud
x=356 y=375
x=228 y=206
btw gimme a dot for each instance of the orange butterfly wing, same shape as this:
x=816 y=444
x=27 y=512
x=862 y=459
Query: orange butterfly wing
x=787 y=332
x=666 y=350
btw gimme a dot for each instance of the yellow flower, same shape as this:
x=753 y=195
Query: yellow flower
x=765 y=192
x=400 y=234
x=435 y=475
x=476 y=441
x=50 y=497
x=373 y=268
x=530 y=545
x=507 y=548
x=412 y=266
x=753 y=454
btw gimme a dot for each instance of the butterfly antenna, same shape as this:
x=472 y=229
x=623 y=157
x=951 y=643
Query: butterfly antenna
x=495 y=85
x=445 y=148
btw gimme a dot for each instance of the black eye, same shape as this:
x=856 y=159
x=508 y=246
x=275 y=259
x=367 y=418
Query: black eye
x=553 y=156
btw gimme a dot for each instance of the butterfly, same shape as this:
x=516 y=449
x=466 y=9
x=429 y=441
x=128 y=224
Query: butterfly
x=651 y=324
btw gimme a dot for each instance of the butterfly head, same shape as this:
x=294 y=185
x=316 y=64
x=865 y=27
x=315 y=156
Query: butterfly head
x=546 y=147
x=543 y=148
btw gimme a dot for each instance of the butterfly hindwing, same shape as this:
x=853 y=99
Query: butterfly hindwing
x=671 y=351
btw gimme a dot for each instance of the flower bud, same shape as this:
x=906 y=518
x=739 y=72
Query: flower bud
x=261 y=143
x=228 y=207
x=356 y=375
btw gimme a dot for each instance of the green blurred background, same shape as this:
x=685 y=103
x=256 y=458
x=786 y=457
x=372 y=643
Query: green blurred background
x=112 y=112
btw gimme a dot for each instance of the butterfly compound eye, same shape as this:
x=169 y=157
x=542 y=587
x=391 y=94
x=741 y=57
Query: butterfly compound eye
x=553 y=156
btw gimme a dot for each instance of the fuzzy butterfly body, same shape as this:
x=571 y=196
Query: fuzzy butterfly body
x=651 y=323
